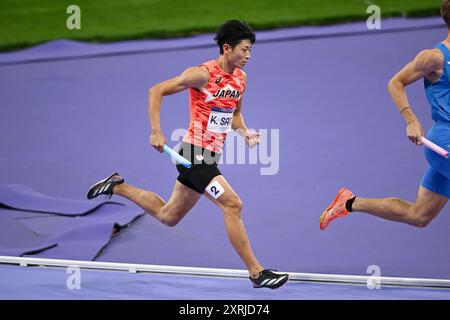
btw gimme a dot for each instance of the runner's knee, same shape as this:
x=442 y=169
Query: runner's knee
x=421 y=222
x=233 y=205
x=422 y=218
x=170 y=220
x=169 y=217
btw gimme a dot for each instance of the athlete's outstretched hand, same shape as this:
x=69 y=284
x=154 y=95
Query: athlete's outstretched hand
x=157 y=140
x=414 y=132
x=251 y=138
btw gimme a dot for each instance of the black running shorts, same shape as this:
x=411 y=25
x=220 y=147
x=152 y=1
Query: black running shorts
x=203 y=170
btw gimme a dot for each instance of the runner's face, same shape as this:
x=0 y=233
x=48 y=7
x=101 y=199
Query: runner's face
x=241 y=53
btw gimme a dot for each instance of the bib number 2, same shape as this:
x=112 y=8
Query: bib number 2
x=215 y=190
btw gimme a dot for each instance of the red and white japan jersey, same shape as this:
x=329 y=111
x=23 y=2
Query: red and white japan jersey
x=212 y=107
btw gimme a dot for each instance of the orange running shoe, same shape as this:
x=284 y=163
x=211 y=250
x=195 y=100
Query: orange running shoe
x=336 y=209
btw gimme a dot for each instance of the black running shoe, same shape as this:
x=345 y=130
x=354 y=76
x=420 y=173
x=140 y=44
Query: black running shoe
x=268 y=279
x=105 y=186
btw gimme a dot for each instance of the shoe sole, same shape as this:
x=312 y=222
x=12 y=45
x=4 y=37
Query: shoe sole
x=322 y=217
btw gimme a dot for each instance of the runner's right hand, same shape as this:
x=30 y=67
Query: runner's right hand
x=414 y=132
x=157 y=140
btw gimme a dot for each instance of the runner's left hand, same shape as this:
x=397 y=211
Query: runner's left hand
x=251 y=138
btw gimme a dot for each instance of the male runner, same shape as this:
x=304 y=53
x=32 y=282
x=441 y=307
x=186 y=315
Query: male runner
x=215 y=90
x=434 y=190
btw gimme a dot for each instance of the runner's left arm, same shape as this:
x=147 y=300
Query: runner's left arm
x=238 y=123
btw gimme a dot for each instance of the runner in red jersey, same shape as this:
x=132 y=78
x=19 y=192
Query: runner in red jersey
x=215 y=91
x=212 y=107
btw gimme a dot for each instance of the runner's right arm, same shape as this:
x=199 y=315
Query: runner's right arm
x=423 y=65
x=192 y=77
